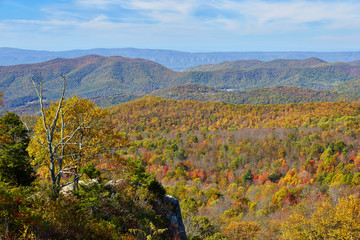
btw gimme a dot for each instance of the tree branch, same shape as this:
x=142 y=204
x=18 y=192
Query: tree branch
x=71 y=182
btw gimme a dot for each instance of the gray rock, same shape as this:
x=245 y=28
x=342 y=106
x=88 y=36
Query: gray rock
x=176 y=225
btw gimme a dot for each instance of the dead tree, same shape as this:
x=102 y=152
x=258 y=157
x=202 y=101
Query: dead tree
x=56 y=148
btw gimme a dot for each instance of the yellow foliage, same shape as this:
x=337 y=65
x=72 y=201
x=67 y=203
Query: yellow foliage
x=279 y=196
x=296 y=227
x=341 y=221
x=242 y=230
x=81 y=133
x=347 y=217
x=291 y=179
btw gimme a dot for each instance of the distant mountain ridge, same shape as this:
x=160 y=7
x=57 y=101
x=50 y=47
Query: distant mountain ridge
x=254 y=64
x=110 y=80
x=175 y=60
x=232 y=75
x=87 y=76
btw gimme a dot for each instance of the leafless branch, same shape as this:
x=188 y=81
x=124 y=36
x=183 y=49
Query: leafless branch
x=71 y=182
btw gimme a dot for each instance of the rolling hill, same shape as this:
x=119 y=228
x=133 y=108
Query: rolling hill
x=88 y=76
x=349 y=87
x=270 y=74
x=271 y=95
x=111 y=80
x=150 y=113
x=254 y=64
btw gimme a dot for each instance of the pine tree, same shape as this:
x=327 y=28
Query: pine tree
x=15 y=166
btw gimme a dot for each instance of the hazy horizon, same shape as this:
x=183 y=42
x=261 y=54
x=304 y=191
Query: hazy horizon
x=158 y=49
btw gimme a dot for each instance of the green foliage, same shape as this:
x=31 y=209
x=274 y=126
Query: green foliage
x=274 y=177
x=91 y=171
x=17 y=213
x=137 y=173
x=189 y=206
x=15 y=166
x=180 y=154
x=339 y=146
x=349 y=87
x=248 y=176
x=156 y=188
x=155 y=233
x=97 y=211
x=204 y=228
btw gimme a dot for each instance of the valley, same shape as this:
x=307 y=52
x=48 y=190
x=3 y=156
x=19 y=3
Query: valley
x=246 y=149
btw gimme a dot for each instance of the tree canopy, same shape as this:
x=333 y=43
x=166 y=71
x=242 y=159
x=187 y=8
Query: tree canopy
x=81 y=133
x=15 y=166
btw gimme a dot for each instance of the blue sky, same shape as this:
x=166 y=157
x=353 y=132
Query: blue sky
x=185 y=25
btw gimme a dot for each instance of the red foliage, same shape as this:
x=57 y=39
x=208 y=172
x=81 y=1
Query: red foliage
x=305 y=180
x=291 y=199
x=165 y=169
x=230 y=177
x=202 y=175
x=291 y=172
x=263 y=178
x=188 y=164
x=195 y=173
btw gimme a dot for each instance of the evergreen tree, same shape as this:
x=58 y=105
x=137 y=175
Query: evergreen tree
x=15 y=166
x=248 y=176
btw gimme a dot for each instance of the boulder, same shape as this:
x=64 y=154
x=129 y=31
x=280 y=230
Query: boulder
x=176 y=226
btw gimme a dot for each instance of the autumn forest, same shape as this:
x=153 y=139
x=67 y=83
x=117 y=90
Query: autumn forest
x=269 y=161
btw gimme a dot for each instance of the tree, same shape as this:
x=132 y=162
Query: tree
x=15 y=166
x=248 y=176
x=69 y=134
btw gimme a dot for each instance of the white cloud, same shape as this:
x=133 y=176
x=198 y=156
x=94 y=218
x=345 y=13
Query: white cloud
x=246 y=16
x=100 y=22
x=200 y=19
x=262 y=15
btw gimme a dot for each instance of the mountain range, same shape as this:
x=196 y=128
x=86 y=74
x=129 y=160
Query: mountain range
x=111 y=80
x=175 y=60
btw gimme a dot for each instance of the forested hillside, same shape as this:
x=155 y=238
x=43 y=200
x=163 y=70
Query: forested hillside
x=349 y=87
x=87 y=76
x=112 y=80
x=239 y=171
x=252 y=172
x=323 y=76
x=248 y=64
x=271 y=95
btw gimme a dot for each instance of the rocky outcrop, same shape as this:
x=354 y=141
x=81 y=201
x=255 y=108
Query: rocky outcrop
x=176 y=226
x=70 y=188
x=167 y=206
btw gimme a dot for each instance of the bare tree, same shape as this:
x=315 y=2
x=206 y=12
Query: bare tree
x=56 y=147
